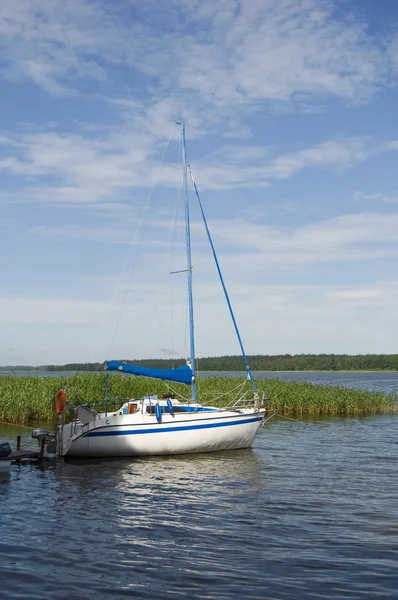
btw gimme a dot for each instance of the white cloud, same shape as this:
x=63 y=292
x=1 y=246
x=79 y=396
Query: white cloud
x=88 y=169
x=124 y=234
x=332 y=154
x=376 y=197
x=103 y=235
x=92 y=168
x=216 y=65
x=278 y=51
x=52 y=42
x=225 y=54
x=272 y=319
x=359 y=296
x=50 y=310
x=253 y=52
x=253 y=249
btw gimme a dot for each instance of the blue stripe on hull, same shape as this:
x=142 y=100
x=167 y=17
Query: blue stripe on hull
x=162 y=429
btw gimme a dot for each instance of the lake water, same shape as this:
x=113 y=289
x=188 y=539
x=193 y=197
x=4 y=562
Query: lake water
x=310 y=512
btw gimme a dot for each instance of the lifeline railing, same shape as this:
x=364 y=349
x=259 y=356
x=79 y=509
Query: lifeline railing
x=244 y=401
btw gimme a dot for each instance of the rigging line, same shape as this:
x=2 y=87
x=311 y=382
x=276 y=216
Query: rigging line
x=185 y=333
x=240 y=386
x=184 y=340
x=249 y=374
x=240 y=392
x=154 y=183
x=173 y=245
x=129 y=253
x=175 y=392
x=189 y=263
x=166 y=266
x=158 y=299
x=164 y=319
x=173 y=270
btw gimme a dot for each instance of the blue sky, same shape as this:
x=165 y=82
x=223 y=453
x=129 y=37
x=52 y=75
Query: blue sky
x=290 y=109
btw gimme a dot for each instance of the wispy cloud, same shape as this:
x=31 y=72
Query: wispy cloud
x=50 y=310
x=331 y=154
x=99 y=86
x=282 y=51
x=349 y=238
x=360 y=296
x=52 y=43
x=286 y=51
x=294 y=318
x=375 y=197
x=336 y=155
x=90 y=169
x=87 y=168
x=253 y=53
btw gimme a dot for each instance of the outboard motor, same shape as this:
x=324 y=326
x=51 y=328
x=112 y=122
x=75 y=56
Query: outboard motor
x=44 y=437
x=40 y=434
x=5 y=449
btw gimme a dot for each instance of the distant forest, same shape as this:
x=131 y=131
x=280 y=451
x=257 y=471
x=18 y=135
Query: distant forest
x=259 y=362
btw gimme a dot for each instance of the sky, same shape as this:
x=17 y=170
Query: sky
x=290 y=110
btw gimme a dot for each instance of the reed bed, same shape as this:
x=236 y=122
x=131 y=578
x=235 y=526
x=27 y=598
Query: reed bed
x=26 y=400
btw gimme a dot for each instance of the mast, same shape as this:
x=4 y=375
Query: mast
x=189 y=260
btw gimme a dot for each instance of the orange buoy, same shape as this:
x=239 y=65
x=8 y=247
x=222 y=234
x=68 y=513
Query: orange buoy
x=60 y=401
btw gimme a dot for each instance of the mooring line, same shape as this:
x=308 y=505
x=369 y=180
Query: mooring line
x=290 y=418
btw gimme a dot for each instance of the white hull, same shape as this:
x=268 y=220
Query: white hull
x=141 y=435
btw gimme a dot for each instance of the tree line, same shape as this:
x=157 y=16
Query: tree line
x=258 y=362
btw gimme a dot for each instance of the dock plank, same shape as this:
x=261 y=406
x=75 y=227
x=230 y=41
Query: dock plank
x=19 y=454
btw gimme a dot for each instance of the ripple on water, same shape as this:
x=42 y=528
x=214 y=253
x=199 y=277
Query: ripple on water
x=310 y=512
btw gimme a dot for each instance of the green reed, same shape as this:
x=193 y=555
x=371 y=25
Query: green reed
x=31 y=399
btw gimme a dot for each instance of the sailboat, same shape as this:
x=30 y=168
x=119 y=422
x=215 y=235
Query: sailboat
x=155 y=425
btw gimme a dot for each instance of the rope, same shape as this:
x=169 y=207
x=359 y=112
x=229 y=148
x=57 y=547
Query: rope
x=154 y=183
x=222 y=281
x=173 y=253
x=174 y=392
x=290 y=418
x=29 y=445
x=167 y=267
x=240 y=387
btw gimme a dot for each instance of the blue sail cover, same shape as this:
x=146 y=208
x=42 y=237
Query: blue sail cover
x=180 y=375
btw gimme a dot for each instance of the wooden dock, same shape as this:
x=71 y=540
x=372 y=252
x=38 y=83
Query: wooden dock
x=17 y=455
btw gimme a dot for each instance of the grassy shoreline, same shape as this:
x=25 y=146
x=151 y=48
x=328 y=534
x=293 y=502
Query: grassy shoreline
x=310 y=371
x=35 y=371
x=31 y=399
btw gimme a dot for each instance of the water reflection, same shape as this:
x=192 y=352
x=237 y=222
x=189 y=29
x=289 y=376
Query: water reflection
x=148 y=477
x=310 y=511
x=140 y=519
x=5 y=475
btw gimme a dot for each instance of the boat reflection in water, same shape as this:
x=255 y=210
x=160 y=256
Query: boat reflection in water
x=179 y=475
